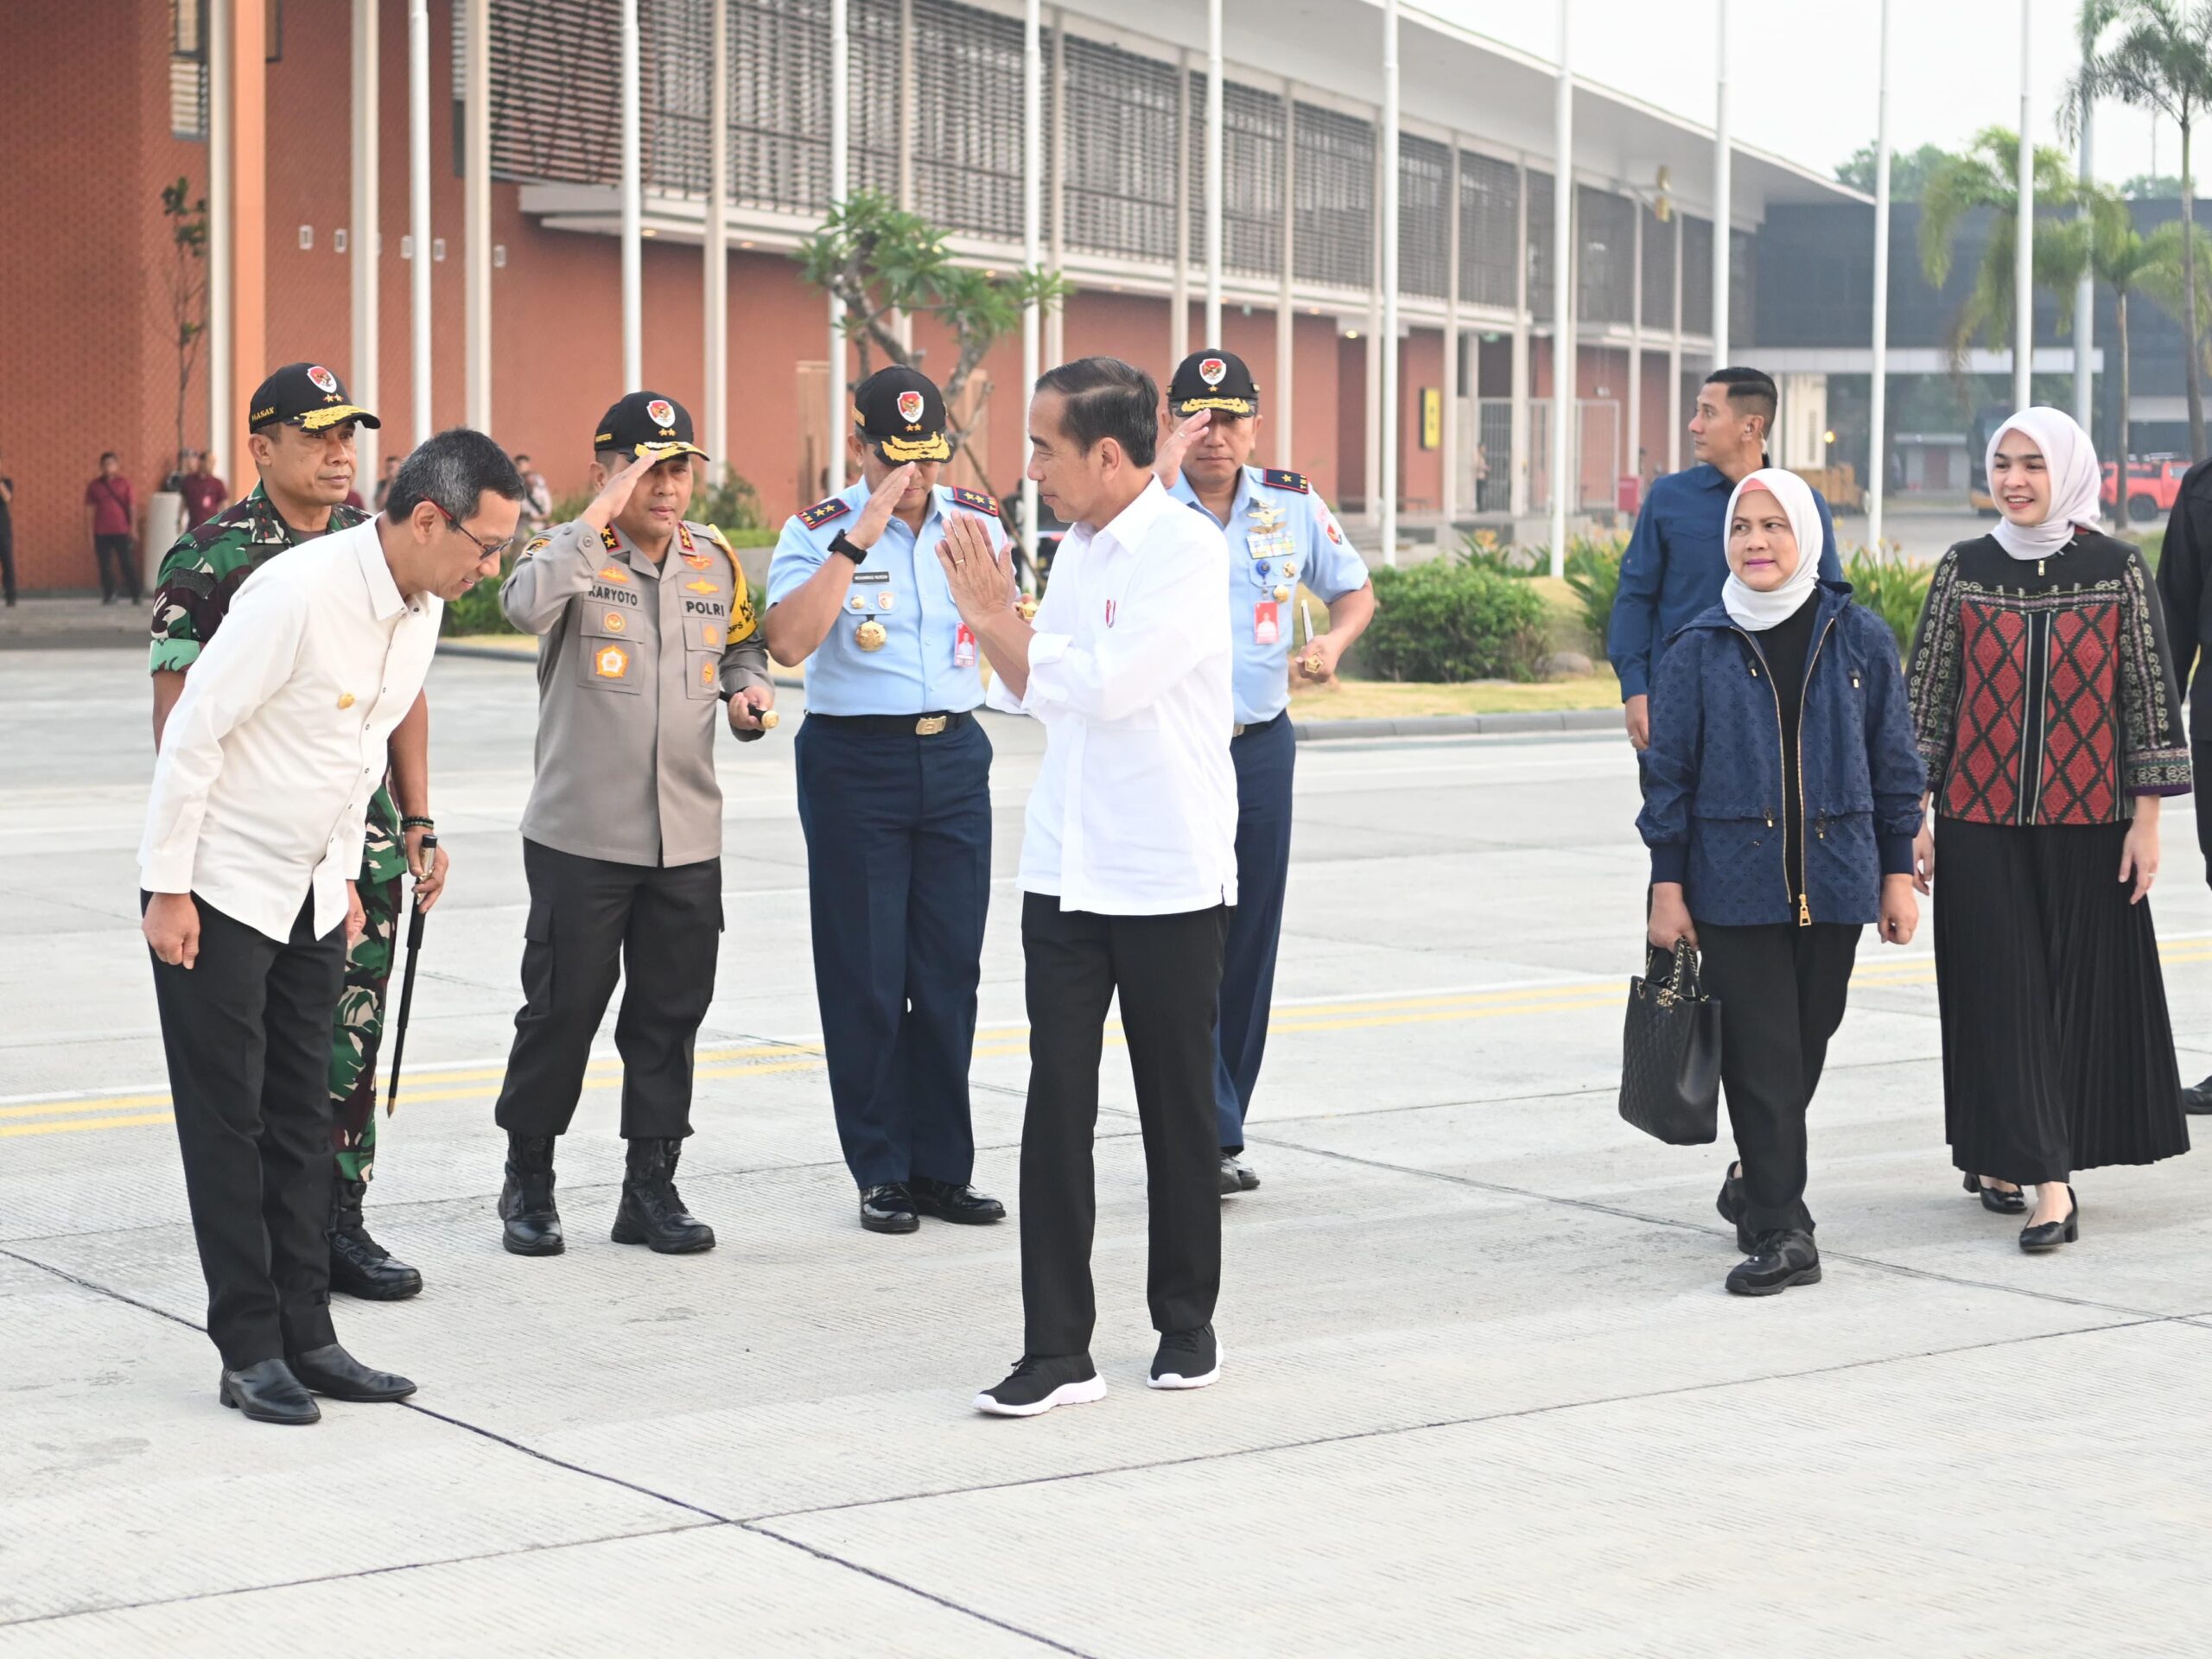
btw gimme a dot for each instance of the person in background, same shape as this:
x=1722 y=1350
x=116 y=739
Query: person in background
x=111 y=518
x=2185 y=589
x=1784 y=652
x=383 y=483
x=205 y=494
x=8 y=535
x=536 y=498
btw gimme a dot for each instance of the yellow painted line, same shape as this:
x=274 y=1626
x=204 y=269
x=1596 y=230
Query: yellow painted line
x=68 y=1124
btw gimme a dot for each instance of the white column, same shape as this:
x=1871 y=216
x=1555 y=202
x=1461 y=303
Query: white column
x=1878 y=390
x=2085 y=304
x=222 y=405
x=476 y=191
x=418 y=213
x=1635 y=456
x=1371 y=432
x=1517 y=438
x=1389 y=436
x=1055 y=337
x=2024 y=233
x=1278 y=398
x=715 y=273
x=361 y=247
x=1213 y=173
x=1178 y=291
x=1564 y=377
x=1674 y=420
x=908 y=135
x=1449 y=452
x=841 y=142
x=1032 y=180
x=633 y=206
x=1724 y=213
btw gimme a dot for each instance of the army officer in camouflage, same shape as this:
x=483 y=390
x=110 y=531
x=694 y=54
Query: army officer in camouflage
x=302 y=426
x=644 y=626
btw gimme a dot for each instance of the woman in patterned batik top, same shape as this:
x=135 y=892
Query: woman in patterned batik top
x=2044 y=693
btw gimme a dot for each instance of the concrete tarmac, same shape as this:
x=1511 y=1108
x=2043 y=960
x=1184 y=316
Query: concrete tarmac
x=1483 y=1392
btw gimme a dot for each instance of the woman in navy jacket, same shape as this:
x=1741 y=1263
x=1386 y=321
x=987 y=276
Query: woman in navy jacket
x=1782 y=793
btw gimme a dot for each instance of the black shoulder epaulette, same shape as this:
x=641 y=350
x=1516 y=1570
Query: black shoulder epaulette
x=1277 y=478
x=976 y=501
x=822 y=512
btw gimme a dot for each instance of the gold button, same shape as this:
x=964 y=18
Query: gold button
x=346 y=700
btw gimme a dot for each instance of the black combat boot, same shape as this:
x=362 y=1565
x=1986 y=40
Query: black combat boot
x=653 y=1213
x=533 y=1225
x=358 y=1265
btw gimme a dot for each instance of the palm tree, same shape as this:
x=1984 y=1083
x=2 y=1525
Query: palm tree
x=2105 y=241
x=1987 y=174
x=2161 y=60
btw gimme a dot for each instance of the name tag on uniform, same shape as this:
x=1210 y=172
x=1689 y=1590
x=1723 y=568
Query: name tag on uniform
x=963 y=647
x=860 y=576
x=1267 y=623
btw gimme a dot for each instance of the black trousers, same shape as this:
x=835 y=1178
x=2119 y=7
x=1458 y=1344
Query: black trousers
x=1167 y=969
x=246 y=1030
x=116 y=550
x=592 y=920
x=1782 y=990
x=8 y=564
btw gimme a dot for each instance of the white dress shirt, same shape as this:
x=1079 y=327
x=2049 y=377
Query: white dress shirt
x=1134 y=811
x=261 y=792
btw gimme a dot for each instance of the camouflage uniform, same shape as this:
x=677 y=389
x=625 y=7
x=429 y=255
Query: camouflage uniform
x=198 y=578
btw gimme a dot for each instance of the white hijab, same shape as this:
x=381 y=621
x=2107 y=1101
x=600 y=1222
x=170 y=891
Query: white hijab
x=1746 y=606
x=2071 y=461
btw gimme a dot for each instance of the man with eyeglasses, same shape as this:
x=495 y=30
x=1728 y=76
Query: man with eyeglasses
x=302 y=427
x=643 y=625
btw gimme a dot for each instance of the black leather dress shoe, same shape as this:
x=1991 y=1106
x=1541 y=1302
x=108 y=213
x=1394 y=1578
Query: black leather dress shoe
x=950 y=1202
x=1996 y=1199
x=1230 y=1187
x=889 y=1209
x=2196 y=1099
x=358 y=1265
x=331 y=1370
x=267 y=1392
x=1783 y=1259
x=2050 y=1235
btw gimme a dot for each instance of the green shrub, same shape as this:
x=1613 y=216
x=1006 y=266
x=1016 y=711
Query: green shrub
x=1891 y=587
x=1593 y=571
x=1483 y=548
x=1451 y=620
x=478 y=610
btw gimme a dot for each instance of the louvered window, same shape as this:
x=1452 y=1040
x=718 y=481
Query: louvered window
x=1540 y=203
x=1697 y=275
x=1120 y=191
x=556 y=109
x=968 y=91
x=1251 y=176
x=1335 y=182
x=1423 y=215
x=1605 y=272
x=1489 y=229
x=188 y=69
x=1659 y=274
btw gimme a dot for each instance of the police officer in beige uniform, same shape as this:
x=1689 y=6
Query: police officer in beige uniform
x=643 y=625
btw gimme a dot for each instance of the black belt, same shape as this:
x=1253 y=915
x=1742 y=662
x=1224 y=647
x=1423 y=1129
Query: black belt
x=1258 y=725
x=896 y=725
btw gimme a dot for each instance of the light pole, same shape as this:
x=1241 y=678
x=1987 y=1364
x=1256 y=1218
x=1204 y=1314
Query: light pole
x=2024 y=234
x=1878 y=380
x=1563 y=351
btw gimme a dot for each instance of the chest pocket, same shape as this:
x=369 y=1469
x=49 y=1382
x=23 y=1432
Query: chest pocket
x=609 y=655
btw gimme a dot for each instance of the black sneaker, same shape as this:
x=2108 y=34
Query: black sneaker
x=1040 y=1382
x=1729 y=1203
x=1186 y=1359
x=1783 y=1259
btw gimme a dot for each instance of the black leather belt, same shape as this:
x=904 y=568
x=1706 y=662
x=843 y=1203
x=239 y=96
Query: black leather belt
x=1258 y=725
x=896 y=725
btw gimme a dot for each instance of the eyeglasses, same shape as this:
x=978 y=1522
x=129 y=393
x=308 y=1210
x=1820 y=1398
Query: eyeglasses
x=493 y=551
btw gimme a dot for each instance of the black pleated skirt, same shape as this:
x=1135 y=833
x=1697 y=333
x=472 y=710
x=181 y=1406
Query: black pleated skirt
x=2057 y=1053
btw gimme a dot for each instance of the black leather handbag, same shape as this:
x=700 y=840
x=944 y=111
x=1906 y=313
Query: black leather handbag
x=1670 y=1053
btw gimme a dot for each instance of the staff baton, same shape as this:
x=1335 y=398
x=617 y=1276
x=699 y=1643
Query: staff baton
x=407 y=984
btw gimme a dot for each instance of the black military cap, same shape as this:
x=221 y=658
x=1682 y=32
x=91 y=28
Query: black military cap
x=305 y=395
x=646 y=424
x=902 y=413
x=1212 y=379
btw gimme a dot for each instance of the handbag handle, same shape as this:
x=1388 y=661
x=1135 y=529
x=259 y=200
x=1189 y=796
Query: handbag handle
x=1682 y=985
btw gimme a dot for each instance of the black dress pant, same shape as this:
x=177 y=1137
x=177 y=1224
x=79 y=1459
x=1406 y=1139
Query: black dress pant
x=117 y=550
x=247 y=1032
x=1167 y=969
x=8 y=564
x=592 y=920
x=1782 y=990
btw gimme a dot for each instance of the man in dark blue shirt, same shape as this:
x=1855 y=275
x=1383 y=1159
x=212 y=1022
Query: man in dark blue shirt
x=1677 y=557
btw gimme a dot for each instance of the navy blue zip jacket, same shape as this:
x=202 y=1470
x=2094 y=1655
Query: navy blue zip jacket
x=1714 y=812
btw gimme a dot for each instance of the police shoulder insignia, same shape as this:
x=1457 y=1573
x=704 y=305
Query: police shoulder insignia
x=534 y=544
x=610 y=540
x=1279 y=478
x=684 y=535
x=822 y=512
x=976 y=501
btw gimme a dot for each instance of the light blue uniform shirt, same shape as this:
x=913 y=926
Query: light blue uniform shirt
x=900 y=585
x=1280 y=535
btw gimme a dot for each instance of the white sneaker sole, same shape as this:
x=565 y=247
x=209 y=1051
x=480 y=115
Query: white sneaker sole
x=1173 y=1380
x=1068 y=1393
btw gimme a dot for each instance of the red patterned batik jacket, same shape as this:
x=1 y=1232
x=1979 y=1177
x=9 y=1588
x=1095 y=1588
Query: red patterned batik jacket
x=2043 y=690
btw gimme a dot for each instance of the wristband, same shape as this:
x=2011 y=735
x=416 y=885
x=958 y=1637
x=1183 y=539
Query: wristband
x=418 y=824
x=842 y=543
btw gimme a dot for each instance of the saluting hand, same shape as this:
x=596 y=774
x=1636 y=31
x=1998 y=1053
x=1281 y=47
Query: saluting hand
x=1175 y=443
x=882 y=502
x=982 y=586
x=615 y=496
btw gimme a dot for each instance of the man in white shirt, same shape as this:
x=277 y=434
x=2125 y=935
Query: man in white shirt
x=254 y=827
x=1128 y=864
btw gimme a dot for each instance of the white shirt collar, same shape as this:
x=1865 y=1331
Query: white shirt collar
x=385 y=599
x=1129 y=527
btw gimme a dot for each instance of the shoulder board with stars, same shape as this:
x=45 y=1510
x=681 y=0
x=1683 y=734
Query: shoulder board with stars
x=822 y=512
x=1278 y=478
x=695 y=555
x=612 y=542
x=976 y=501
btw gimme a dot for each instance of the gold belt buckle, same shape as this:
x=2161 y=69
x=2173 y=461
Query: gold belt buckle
x=930 y=725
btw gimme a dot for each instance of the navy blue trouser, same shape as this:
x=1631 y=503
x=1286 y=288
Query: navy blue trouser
x=1264 y=756
x=898 y=879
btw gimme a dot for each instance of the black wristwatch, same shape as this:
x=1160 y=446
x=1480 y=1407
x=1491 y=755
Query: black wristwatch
x=843 y=543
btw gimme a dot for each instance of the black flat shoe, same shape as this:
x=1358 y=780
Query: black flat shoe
x=889 y=1209
x=1996 y=1199
x=267 y=1392
x=952 y=1201
x=331 y=1370
x=2050 y=1235
x=1231 y=1186
x=2196 y=1099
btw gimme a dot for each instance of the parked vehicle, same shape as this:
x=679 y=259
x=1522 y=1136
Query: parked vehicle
x=2153 y=482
